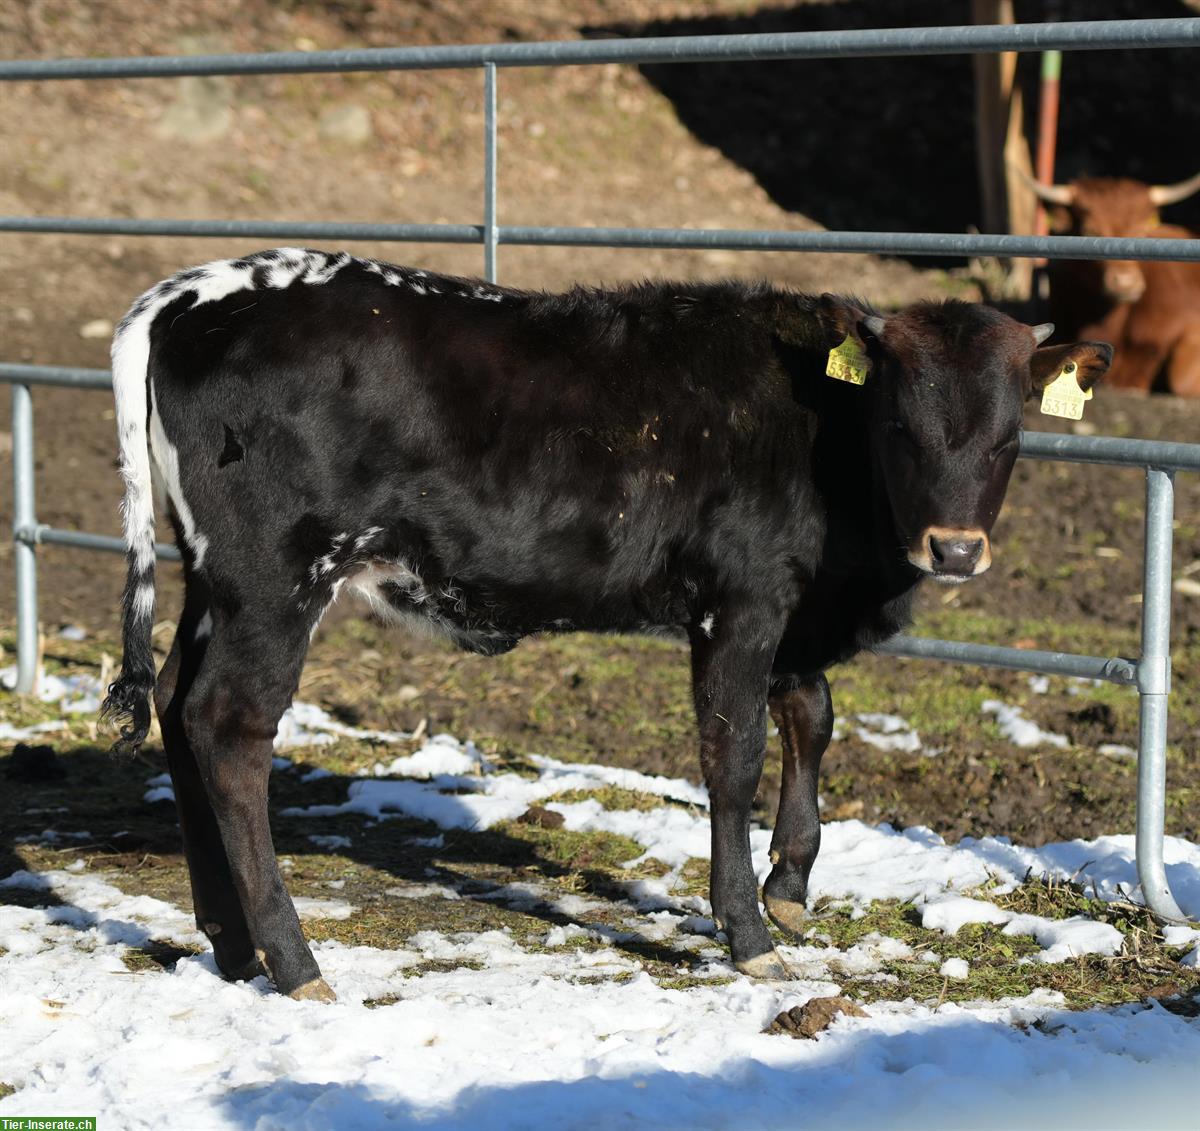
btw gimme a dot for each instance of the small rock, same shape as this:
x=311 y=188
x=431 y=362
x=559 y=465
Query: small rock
x=543 y=818
x=350 y=124
x=202 y=110
x=34 y=763
x=814 y=1016
x=96 y=328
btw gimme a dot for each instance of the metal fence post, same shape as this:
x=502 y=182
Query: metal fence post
x=24 y=523
x=490 y=233
x=1154 y=685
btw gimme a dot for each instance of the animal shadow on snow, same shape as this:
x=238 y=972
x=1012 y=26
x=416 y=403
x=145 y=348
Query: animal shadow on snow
x=963 y=1072
x=104 y=796
x=889 y=143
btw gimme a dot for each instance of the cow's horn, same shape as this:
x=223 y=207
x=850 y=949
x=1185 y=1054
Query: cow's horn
x=875 y=324
x=1048 y=194
x=1172 y=194
x=1042 y=332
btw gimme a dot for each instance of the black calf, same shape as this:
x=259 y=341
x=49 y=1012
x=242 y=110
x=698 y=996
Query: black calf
x=488 y=463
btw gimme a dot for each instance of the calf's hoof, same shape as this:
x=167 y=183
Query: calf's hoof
x=768 y=966
x=316 y=990
x=783 y=896
x=786 y=914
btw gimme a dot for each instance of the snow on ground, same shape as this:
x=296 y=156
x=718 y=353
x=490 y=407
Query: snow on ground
x=576 y=1034
x=533 y=1039
x=1018 y=729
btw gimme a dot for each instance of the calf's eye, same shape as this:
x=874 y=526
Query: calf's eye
x=1002 y=447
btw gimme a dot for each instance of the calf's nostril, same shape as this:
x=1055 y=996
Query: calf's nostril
x=955 y=554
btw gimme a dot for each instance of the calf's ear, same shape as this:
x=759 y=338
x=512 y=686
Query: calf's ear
x=1091 y=359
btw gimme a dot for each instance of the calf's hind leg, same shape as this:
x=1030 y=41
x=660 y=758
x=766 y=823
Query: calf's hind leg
x=246 y=682
x=729 y=675
x=214 y=898
x=803 y=712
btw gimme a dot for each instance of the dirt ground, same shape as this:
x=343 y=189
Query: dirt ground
x=604 y=145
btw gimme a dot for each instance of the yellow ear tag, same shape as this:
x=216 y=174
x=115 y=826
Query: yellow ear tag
x=847 y=362
x=1063 y=396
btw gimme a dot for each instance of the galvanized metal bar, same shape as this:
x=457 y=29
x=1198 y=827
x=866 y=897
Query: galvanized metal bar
x=25 y=559
x=1064 y=446
x=56 y=375
x=81 y=540
x=1154 y=686
x=943 y=244
x=490 y=233
x=1111 y=669
x=1089 y=35
x=881 y=243
x=1118 y=450
x=247 y=229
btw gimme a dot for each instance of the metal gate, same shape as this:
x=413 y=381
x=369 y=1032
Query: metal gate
x=1150 y=674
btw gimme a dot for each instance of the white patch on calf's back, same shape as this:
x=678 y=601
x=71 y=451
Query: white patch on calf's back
x=166 y=459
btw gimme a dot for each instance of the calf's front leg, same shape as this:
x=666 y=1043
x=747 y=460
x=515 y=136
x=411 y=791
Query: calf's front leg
x=730 y=674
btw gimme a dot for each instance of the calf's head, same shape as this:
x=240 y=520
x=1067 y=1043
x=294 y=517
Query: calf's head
x=1115 y=207
x=946 y=389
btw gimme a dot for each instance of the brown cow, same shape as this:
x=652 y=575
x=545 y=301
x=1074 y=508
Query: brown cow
x=1150 y=311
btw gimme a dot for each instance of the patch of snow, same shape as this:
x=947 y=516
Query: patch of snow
x=1180 y=936
x=73 y=632
x=1063 y=939
x=957 y=968
x=423 y=891
x=1018 y=729
x=51 y=836
x=10 y=733
x=310 y=908
x=331 y=843
x=159 y=793
x=1116 y=750
x=887 y=732
x=441 y=755
x=1039 y=684
x=75 y=694
x=953 y=912
x=577 y=1036
x=305 y=724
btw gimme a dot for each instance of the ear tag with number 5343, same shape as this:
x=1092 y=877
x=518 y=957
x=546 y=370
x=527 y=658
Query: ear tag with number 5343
x=1063 y=396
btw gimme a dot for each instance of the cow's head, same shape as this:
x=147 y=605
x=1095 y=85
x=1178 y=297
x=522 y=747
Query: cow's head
x=1116 y=207
x=945 y=395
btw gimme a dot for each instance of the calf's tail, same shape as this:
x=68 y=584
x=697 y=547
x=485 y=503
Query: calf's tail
x=128 y=701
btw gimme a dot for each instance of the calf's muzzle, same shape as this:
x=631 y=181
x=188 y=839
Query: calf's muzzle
x=952 y=553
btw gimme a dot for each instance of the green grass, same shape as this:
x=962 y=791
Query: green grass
x=1145 y=967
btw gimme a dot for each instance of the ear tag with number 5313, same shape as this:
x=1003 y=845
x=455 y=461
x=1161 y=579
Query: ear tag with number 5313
x=1063 y=396
x=848 y=362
